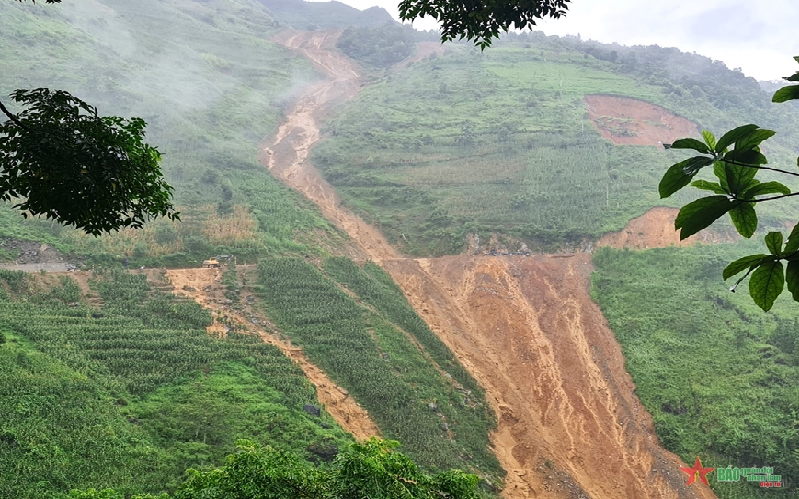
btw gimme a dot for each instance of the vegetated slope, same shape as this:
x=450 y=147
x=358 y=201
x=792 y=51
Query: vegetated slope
x=210 y=84
x=502 y=141
x=208 y=288
x=128 y=390
x=412 y=386
x=720 y=378
x=569 y=424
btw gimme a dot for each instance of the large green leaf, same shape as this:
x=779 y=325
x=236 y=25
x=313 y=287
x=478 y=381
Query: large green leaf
x=766 y=284
x=792 y=278
x=744 y=218
x=792 y=246
x=753 y=139
x=710 y=139
x=741 y=264
x=774 y=243
x=699 y=214
x=739 y=178
x=680 y=174
x=708 y=186
x=766 y=188
x=786 y=93
x=689 y=143
x=733 y=135
x=747 y=156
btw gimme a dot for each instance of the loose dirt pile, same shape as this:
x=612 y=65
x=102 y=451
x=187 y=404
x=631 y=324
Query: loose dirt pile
x=623 y=120
x=204 y=286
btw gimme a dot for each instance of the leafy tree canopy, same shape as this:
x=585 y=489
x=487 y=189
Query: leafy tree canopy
x=736 y=158
x=481 y=20
x=59 y=159
x=367 y=470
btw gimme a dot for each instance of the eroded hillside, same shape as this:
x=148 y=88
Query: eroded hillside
x=569 y=423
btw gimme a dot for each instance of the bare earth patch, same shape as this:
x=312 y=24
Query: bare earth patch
x=655 y=229
x=624 y=120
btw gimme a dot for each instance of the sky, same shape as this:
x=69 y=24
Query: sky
x=758 y=36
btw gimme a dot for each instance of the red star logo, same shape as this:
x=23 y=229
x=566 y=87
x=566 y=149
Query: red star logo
x=697 y=470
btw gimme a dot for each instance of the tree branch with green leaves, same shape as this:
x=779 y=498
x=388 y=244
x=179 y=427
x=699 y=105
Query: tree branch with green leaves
x=737 y=159
x=481 y=21
x=59 y=159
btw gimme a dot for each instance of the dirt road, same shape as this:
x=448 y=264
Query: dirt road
x=569 y=423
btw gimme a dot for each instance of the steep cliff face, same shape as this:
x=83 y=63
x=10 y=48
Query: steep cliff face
x=569 y=423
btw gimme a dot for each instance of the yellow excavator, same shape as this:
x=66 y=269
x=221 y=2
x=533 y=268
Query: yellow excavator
x=211 y=263
x=215 y=261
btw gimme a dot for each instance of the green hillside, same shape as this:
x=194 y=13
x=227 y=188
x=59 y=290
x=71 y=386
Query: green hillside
x=130 y=394
x=500 y=141
x=211 y=85
x=720 y=377
x=126 y=389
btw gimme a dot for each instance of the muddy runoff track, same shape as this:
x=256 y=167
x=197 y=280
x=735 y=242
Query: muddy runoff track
x=569 y=423
x=204 y=286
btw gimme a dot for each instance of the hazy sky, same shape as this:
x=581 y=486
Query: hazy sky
x=759 y=36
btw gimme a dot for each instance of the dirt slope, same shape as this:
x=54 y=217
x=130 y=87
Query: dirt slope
x=623 y=120
x=569 y=423
x=655 y=229
x=528 y=330
x=286 y=154
x=203 y=286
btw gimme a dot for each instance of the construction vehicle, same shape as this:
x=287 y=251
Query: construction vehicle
x=216 y=261
x=211 y=263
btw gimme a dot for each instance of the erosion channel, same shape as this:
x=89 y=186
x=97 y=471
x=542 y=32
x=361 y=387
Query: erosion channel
x=569 y=423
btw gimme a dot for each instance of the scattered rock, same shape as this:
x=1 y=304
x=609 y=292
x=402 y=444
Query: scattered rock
x=312 y=410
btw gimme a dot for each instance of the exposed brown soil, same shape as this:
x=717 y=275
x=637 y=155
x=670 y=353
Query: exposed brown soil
x=655 y=229
x=527 y=329
x=569 y=423
x=623 y=120
x=204 y=287
x=286 y=154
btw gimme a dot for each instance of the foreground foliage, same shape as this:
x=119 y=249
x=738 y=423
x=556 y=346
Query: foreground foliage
x=737 y=159
x=372 y=469
x=481 y=21
x=73 y=166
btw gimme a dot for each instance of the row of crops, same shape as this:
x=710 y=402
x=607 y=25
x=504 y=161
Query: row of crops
x=376 y=288
x=441 y=420
x=131 y=394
